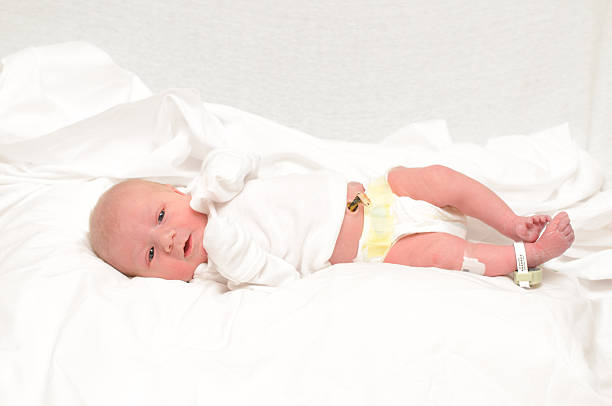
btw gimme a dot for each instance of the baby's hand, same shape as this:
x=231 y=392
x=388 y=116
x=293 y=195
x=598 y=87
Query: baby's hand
x=231 y=250
x=220 y=239
x=352 y=189
x=239 y=259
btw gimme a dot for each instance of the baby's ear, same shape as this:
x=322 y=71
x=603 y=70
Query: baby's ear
x=175 y=190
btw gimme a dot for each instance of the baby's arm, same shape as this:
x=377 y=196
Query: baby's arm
x=240 y=260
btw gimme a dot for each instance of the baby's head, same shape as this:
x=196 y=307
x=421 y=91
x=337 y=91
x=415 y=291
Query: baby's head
x=148 y=229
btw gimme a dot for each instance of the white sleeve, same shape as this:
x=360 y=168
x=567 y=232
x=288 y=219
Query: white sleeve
x=233 y=253
x=222 y=176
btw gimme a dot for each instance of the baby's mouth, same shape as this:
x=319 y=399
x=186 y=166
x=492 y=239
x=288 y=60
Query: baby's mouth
x=187 y=247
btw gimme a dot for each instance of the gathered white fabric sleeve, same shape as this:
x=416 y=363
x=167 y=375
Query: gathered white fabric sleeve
x=233 y=253
x=222 y=176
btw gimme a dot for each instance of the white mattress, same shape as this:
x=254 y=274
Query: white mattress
x=76 y=331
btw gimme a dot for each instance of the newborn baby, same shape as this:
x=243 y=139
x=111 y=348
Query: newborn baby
x=281 y=228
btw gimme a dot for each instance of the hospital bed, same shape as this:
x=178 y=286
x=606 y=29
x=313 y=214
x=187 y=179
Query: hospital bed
x=511 y=93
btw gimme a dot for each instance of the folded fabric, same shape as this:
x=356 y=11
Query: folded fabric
x=221 y=178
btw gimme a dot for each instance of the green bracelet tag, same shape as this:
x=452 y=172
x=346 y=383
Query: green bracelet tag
x=533 y=277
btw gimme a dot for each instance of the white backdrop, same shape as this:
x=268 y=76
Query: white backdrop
x=359 y=69
x=343 y=69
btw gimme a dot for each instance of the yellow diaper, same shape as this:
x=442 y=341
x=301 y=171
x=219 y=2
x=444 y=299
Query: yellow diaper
x=390 y=217
x=377 y=236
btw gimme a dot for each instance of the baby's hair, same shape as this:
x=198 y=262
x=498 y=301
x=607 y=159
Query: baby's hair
x=102 y=221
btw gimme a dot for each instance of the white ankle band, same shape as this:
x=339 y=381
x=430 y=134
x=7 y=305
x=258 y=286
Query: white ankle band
x=523 y=276
x=521 y=262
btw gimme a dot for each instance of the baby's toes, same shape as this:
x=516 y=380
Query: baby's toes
x=527 y=222
x=571 y=237
x=563 y=220
x=553 y=225
x=543 y=219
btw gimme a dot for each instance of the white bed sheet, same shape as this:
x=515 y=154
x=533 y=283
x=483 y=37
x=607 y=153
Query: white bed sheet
x=75 y=331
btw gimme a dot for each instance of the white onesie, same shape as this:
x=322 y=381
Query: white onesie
x=275 y=230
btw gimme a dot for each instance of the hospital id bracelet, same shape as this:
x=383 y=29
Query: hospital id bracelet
x=531 y=278
x=523 y=276
x=360 y=198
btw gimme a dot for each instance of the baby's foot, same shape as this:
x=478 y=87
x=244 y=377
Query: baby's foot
x=528 y=229
x=555 y=240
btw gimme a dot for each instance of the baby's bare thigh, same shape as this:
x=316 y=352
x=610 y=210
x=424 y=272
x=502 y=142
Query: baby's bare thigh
x=405 y=181
x=441 y=250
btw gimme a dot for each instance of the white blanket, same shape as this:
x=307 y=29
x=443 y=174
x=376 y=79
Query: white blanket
x=75 y=331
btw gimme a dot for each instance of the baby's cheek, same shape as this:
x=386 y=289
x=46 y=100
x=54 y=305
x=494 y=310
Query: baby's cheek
x=184 y=272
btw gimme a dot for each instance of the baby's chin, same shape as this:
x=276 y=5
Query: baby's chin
x=198 y=241
x=201 y=231
x=204 y=255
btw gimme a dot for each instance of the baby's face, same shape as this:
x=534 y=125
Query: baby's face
x=158 y=235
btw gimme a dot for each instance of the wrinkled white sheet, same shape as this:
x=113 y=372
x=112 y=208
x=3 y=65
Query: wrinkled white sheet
x=75 y=331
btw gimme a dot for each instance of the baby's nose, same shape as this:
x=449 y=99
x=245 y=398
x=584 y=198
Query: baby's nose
x=166 y=239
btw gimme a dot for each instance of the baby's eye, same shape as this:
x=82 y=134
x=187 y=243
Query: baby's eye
x=151 y=254
x=161 y=216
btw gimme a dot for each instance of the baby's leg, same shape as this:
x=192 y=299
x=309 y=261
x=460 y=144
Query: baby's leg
x=442 y=186
x=448 y=251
